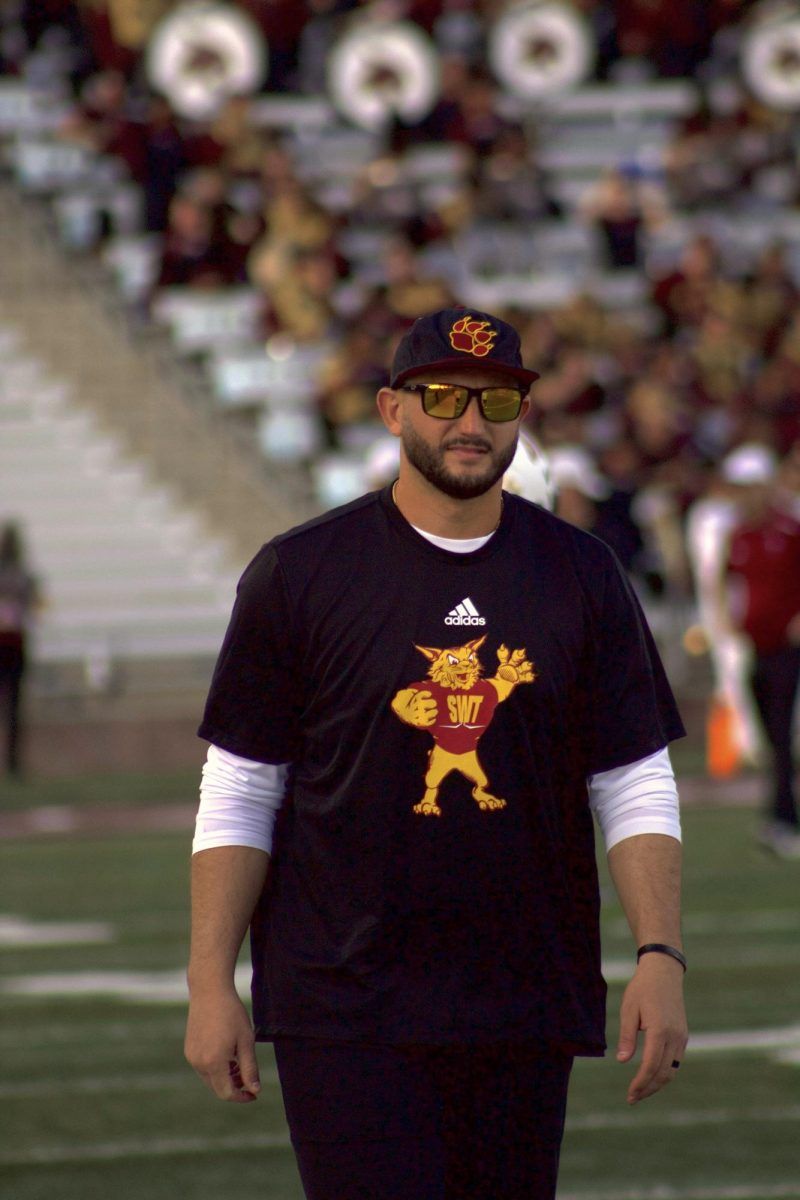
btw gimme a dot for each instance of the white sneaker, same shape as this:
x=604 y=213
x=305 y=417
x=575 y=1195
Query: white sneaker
x=780 y=839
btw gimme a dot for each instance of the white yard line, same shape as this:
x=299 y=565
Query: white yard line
x=775 y=920
x=41 y=1088
x=783 y=954
x=143 y=1148
x=105 y=1028
x=170 y=986
x=127 y=985
x=142 y=986
x=680 y=1118
x=19 y=932
x=37 y=1089
x=785 y=1037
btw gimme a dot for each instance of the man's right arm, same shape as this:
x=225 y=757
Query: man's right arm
x=226 y=884
x=239 y=800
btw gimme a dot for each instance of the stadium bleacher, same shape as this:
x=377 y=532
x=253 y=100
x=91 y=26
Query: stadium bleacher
x=127 y=572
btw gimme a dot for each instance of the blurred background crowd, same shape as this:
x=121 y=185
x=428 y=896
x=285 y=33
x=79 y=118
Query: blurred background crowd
x=637 y=220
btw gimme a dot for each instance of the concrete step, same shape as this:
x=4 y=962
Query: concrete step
x=157 y=589
x=106 y=654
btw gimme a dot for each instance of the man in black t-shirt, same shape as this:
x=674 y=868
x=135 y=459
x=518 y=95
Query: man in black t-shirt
x=429 y=692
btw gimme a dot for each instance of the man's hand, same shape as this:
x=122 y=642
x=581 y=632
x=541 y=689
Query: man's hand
x=653 y=1003
x=417 y=708
x=221 y=1047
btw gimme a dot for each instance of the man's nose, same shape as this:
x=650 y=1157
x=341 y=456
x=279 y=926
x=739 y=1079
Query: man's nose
x=471 y=420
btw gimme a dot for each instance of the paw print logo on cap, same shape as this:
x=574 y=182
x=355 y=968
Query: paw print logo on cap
x=472 y=337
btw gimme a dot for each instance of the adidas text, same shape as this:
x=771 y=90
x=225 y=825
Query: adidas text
x=464 y=613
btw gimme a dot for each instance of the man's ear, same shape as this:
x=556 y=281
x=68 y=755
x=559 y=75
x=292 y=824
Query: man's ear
x=389 y=402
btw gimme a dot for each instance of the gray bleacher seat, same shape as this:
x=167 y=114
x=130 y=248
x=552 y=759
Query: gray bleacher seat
x=582 y=133
x=291 y=112
x=519 y=248
x=134 y=261
x=625 y=291
x=533 y=293
x=200 y=320
x=27 y=110
x=655 y=99
x=619 y=290
x=664 y=245
x=740 y=230
x=497 y=248
x=42 y=166
x=365 y=243
x=83 y=214
x=276 y=376
x=365 y=247
x=564 y=245
x=245 y=378
x=126 y=570
x=552 y=247
x=251 y=377
x=435 y=161
x=589 y=157
x=739 y=237
x=338 y=478
x=330 y=153
x=289 y=436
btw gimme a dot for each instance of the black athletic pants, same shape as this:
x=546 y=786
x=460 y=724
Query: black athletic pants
x=424 y=1123
x=12 y=666
x=774 y=683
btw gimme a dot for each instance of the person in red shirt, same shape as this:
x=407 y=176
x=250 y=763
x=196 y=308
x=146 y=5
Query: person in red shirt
x=764 y=576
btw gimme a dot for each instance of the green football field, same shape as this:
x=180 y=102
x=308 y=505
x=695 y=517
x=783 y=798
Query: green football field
x=97 y=1101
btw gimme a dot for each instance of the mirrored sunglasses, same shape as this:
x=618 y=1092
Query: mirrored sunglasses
x=448 y=401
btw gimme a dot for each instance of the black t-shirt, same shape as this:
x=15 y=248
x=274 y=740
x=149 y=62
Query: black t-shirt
x=433 y=876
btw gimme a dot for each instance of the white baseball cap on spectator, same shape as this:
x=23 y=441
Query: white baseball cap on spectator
x=750 y=463
x=529 y=473
x=572 y=467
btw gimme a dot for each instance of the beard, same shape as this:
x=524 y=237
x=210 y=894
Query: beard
x=431 y=464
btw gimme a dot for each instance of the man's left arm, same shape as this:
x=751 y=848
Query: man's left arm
x=646 y=871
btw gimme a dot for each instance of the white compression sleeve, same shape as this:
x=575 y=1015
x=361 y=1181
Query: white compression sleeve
x=239 y=800
x=640 y=797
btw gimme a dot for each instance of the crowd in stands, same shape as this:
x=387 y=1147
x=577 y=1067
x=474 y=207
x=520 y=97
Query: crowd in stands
x=653 y=405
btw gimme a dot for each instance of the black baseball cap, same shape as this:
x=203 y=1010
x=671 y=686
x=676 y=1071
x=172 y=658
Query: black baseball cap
x=458 y=337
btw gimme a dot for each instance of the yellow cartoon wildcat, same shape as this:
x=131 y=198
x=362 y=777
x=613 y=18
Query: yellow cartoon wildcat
x=457 y=706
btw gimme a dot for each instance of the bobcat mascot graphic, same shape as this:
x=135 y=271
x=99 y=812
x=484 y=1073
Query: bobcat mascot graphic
x=457 y=706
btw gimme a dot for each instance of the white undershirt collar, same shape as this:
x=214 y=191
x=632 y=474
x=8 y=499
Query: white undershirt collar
x=456 y=545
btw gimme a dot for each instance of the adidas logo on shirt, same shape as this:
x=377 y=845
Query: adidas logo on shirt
x=464 y=613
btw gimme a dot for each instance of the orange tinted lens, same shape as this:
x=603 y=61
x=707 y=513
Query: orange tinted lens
x=442 y=400
x=501 y=404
